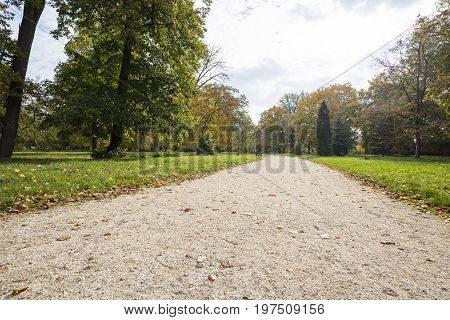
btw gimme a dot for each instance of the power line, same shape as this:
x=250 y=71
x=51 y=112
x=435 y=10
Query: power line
x=371 y=54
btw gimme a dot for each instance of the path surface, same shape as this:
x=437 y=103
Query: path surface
x=276 y=229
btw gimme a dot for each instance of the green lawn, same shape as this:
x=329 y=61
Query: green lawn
x=38 y=180
x=426 y=180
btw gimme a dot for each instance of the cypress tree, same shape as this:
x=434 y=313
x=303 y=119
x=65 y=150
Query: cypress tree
x=324 y=143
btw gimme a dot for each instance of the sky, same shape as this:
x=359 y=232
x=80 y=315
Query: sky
x=273 y=47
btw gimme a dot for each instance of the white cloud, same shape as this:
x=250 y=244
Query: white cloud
x=277 y=46
x=309 y=41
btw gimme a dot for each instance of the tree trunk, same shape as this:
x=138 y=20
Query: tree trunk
x=418 y=144
x=31 y=14
x=118 y=128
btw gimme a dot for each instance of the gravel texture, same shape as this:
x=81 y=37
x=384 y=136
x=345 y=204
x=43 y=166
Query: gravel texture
x=281 y=228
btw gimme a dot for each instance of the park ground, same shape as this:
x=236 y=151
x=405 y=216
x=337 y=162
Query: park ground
x=34 y=180
x=278 y=228
x=423 y=182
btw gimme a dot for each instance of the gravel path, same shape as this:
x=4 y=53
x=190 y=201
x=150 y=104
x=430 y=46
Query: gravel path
x=281 y=228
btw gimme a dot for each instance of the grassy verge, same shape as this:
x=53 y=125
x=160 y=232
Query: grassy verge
x=40 y=180
x=425 y=181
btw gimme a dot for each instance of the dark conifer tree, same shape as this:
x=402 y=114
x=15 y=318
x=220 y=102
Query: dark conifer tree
x=324 y=143
x=343 y=138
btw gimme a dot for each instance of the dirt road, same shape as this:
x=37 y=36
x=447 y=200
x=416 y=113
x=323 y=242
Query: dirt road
x=282 y=228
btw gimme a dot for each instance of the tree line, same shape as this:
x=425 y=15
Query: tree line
x=139 y=76
x=136 y=70
x=404 y=111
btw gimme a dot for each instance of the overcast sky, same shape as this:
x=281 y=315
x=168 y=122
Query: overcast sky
x=278 y=46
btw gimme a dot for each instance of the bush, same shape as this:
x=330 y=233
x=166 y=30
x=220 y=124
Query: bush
x=298 y=149
x=115 y=154
x=206 y=145
x=140 y=155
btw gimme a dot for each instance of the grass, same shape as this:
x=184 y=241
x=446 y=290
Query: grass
x=39 y=180
x=425 y=181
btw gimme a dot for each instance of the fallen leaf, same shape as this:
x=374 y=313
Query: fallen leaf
x=63 y=238
x=212 y=278
x=226 y=264
x=390 y=292
x=388 y=243
x=187 y=210
x=3 y=269
x=107 y=234
x=272 y=195
x=17 y=291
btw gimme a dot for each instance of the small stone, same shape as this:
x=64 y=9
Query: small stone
x=63 y=238
x=280 y=227
x=293 y=231
x=108 y=234
x=325 y=236
x=212 y=278
x=201 y=259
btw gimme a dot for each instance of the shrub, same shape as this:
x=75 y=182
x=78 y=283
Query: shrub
x=115 y=154
x=206 y=145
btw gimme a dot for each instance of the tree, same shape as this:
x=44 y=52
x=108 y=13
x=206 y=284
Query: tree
x=343 y=101
x=324 y=147
x=31 y=15
x=411 y=70
x=242 y=128
x=214 y=108
x=7 y=49
x=212 y=68
x=155 y=47
x=344 y=137
x=276 y=134
x=290 y=101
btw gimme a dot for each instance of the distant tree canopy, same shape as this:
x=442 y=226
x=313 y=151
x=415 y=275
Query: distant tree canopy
x=404 y=110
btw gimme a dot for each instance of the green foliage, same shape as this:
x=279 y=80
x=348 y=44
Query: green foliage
x=166 y=43
x=324 y=147
x=206 y=144
x=114 y=154
x=298 y=150
x=344 y=138
x=276 y=133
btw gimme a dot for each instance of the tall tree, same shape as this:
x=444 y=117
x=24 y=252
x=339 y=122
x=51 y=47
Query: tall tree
x=31 y=15
x=324 y=147
x=411 y=69
x=157 y=46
